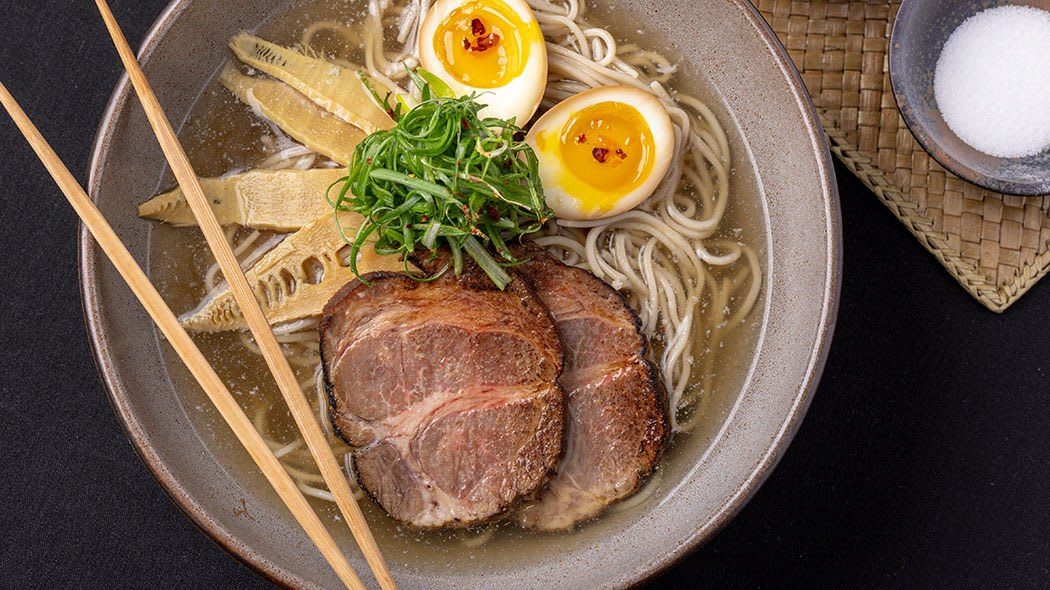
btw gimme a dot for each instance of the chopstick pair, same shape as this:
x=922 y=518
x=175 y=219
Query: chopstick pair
x=178 y=338
x=253 y=314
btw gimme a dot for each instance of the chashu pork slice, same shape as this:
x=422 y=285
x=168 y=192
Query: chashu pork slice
x=616 y=414
x=449 y=392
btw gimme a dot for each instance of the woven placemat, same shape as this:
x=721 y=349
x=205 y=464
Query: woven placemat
x=996 y=246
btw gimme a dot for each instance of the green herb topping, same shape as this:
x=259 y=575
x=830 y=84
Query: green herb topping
x=444 y=177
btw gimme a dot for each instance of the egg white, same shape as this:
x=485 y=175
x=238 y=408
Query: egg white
x=519 y=98
x=552 y=169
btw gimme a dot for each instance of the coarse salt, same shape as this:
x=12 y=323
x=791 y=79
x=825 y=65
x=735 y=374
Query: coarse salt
x=992 y=82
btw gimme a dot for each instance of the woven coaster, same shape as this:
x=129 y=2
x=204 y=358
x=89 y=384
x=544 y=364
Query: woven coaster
x=996 y=246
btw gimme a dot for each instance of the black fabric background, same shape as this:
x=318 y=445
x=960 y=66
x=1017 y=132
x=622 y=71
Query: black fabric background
x=923 y=462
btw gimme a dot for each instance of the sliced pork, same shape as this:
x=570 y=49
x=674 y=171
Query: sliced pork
x=617 y=421
x=449 y=392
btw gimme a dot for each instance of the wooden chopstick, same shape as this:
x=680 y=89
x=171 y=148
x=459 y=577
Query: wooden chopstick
x=253 y=313
x=200 y=368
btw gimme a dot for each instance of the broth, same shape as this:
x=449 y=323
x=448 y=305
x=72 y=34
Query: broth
x=223 y=135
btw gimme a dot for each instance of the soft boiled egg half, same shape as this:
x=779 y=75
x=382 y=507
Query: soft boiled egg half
x=603 y=151
x=493 y=48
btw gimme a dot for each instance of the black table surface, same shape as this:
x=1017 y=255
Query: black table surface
x=923 y=461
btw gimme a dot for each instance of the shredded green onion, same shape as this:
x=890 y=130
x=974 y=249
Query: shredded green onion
x=443 y=177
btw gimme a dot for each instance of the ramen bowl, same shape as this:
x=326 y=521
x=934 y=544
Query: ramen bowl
x=919 y=33
x=785 y=205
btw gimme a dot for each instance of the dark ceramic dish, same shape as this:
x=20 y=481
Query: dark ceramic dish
x=783 y=181
x=920 y=30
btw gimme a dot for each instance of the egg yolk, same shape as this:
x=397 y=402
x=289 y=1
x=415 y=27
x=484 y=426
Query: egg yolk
x=483 y=43
x=606 y=151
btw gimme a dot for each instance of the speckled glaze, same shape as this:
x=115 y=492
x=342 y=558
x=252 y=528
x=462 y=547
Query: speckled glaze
x=781 y=156
x=919 y=33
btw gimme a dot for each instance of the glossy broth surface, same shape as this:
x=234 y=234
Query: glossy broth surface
x=223 y=135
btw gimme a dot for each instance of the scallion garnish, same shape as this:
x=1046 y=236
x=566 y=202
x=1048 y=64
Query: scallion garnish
x=444 y=177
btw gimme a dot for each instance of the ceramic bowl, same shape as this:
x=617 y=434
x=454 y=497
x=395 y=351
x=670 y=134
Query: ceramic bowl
x=784 y=189
x=919 y=33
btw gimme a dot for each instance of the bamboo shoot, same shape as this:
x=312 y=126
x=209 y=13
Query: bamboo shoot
x=301 y=119
x=334 y=88
x=296 y=279
x=282 y=201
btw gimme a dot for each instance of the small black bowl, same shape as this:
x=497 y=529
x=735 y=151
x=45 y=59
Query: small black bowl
x=921 y=29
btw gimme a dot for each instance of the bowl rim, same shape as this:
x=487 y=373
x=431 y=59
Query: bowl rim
x=703 y=533
x=1034 y=188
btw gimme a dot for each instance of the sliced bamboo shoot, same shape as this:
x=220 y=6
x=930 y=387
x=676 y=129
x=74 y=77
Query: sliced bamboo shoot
x=334 y=88
x=282 y=201
x=301 y=119
x=296 y=279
